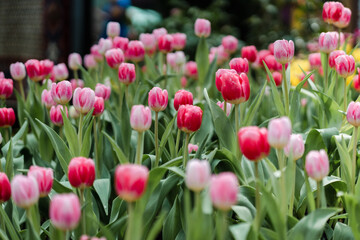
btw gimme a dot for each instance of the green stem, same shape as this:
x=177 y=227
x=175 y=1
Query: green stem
x=236 y=131
x=292 y=196
x=283 y=202
x=97 y=162
x=225 y=108
x=177 y=142
x=355 y=133
x=129 y=230
x=127 y=95
x=80 y=130
x=76 y=76
x=221 y=230
x=326 y=73
x=139 y=149
x=185 y=150
x=164 y=70
x=2 y=221
x=345 y=96
x=318 y=194
x=22 y=90
x=101 y=70
x=83 y=217
x=257 y=198
x=156 y=139
x=285 y=92
x=336 y=86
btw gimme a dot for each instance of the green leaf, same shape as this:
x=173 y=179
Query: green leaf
x=253 y=109
x=9 y=166
x=20 y=107
x=102 y=187
x=70 y=134
x=87 y=78
x=150 y=67
x=60 y=188
x=125 y=128
x=119 y=153
x=345 y=162
x=86 y=145
x=15 y=138
x=167 y=134
x=240 y=231
x=202 y=60
x=352 y=206
x=210 y=74
x=342 y=232
x=172 y=224
x=155 y=229
x=10 y=228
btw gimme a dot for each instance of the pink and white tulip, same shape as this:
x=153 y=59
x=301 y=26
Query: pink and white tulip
x=197 y=175
x=140 y=118
x=83 y=100
x=224 y=190
x=25 y=191
x=44 y=178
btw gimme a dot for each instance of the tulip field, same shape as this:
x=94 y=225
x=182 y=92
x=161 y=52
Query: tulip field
x=146 y=143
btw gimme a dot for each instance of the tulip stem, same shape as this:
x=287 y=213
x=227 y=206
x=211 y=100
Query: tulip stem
x=257 y=198
x=139 y=149
x=285 y=91
x=129 y=230
x=221 y=225
x=225 y=108
x=283 y=203
x=22 y=90
x=80 y=130
x=355 y=133
x=186 y=149
x=326 y=73
x=177 y=143
x=156 y=139
x=345 y=95
x=292 y=196
x=82 y=203
x=97 y=163
x=318 y=193
x=76 y=76
x=127 y=95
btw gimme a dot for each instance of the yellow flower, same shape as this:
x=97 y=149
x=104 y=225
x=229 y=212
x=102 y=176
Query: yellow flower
x=356 y=54
x=296 y=71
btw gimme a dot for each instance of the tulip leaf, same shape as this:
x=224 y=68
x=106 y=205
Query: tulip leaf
x=119 y=153
x=345 y=162
x=9 y=166
x=10 y=228
x=253 y=109
x=15 y=138
x=102 y=187
x=86 y=145
x=202 y=60
x=210 y=75
x=150 y=68
x=342 y=232
x=70 y=134
x=352 y=206
x=240 y=231
x=20 y=107
x=167 y=134
x=172 y=224
x=60 y=188
x=87 y=78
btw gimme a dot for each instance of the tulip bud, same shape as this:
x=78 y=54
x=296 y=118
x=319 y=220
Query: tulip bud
x=81 y=172
x=98 y=106
x=179 y=41
x=345 y=65
x=353 y=114
x=47 y=99
x=149 y=42
x=332 y=11
x=315 y=60
x=103 y=91
x=83 y=100
x=328 y=41
x=127 y=73
x=189 y=118
x=198 y=174
x=135 y=51
x=44 y=178
x=55 y=114
x=17 y=71
x=140 y=118
x=345 y=18
x=121 y=42
x=104 y=45
x=235 y=88
x=228 y=107
x=89 y=61
x=5 y=188
x=165 y=43
x=222 y=55
x=202 y=27
x=219 y=77
x=182 y=97
x=240 y=65
x=230 y=43
x=74 y=61
x=279 y=132
x=113 y=29
x=277 y=78
x=65 y=211
x=159 y=32
x=283 y=51
x=192 y=147
x=25 y=191
x=223 y=190
x=95 y=52
x=73 y=113
x=158 y=99
x=333 y=55
x=6 y=88
x=76 y=83
x=191 y=70
x=7 y=117
x=61 y=92
x=183 y=82
x=249 y=52
x=131 y=181
x=114 y=57
x=61 y=72
x=253 y=142
x=295 y=147
x=34 y=70
x=317 y=164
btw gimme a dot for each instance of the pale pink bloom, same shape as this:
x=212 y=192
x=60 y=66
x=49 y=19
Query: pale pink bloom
x=75 y=83
x=158 y=99
x=328 y=41
x=279 y=132
x=44 y=178
x=230 y=43
x=295 y=147
x=345 y=65
x=149 y=42
x=104 y=45
x=140 y=118
x=192 y=147
x=25 y=191
x=74 y=61
x=65 y=211
x=202 y=27
x=353 y=114
x=17 y=71
x=224 y=190
x=89 y=61
x=345 y=18
x=61 y=92
x=283 y=51
x=60 y=72
x=198 y=174
x=47 y=99
x=317 y=164
x=179 y=41
x=113 y=29
x=228 y=107
x=127 y=73
x=83 y=100
x=103 y=91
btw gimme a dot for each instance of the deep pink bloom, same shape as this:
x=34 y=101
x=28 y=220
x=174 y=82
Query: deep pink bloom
x=345 y=65
x=332 y=11
x=114 y=57
x=7 y=117
x=44 y=178
x=61 y=92
x=253 y=142
x=159 y=32
x=81 y=172
x=249 y=52
x=47 y=67
x=135 y=51
x=277 y=78
x=158 y=99
x=6 y=88
x=165 y=43
x=191 y=70
x=189 y=118
x=240 y=65
x=235 y=88
x=34 y=70
x=121 y=42
x=99 y=106
x=55 y=114
x=345 y=18
x=328 y=41
x=182 y=97
x=5 y=188
x=127 y=73
x=315 y=60
x=333 y=55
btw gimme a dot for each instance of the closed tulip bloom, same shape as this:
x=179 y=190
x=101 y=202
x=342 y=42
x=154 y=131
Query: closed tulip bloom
x=61 y=72
x=356 y=81
x=315 y=60
x=73 y=113
x=44 y=178
x=202 y=27
x=295 y=147
x=95 y=52
x=55 y=115
x=140 y=118
x=104 y=45
x=74 y=61
x=228 y=107
x=253 y=142
x=81 y=172
x=6 y=88
x=189 y=118
x=197 y=175
x=103 y=91
x=183 y=82
x=262 y=54
x=34 y=70
x=283 y=51
x=5 y=188
x=235 y=88
x=47 y=99
x=121 y=42
x=158 y=99
x=230 y=43
x=61 y=92
x=333 y=55
x=83 y=100
x=17 y=71
x=192 y=147
x=317 y=164
x=159 y=32
x=25 y=191
x=345 y=18
x=47 y=67
x=224 y=190
x=179 y=41
x=65 y=211
x=7 y=117
x=328 y=41
x=76 y=83
x=220 y=77
x=191 y=69
x=249 y=52
x=114 y=57
x=271 y=63
x=271 y=47
x=99 y=106
x=332 y=11
x=149 y=43
x=279 y=132
x=113 y=29
x=240 y=65
x=345 y=65
x=135 y=51
x=222 y=55
x=89 y=61
x=277 y=78
x=182 y=97
x=353 y=114
x=165 y=43
x=127 y=73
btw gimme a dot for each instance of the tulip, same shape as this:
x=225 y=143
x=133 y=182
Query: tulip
x=202 y=27
x=127 y=73
x=222 y=55
x=5 y=188
x=253 y=142
x=61 y=92
x=230 y=43
x=74 y=61
x=356 y=82
x=279 y=132
x=345 y=18
x=345 y=65
x=192 y=147
x=98 y=106
x=25 y=191
x=61 y=72
x=7 y=117
x=135 y=51
x=182 y=97
x=165 y=43
x=271 y=63
x=189 y=118
x=219 y=77
x=44 y=179
x=183 y=82
x=223 y=190
x=76 y=83
x=179 y=41
x=17 y=71
x=159 y=32
x=47 y=99
x=261 y=56
x=333 y=55
x=65 y=211
x=317 y=164
x=131 y=181
x=197 y=175
x=240 y=65
x=95 y=52
x=228 y=107
x=176 y=60
x=121 y=42
x=191 y=70
x=140 y=118
x=328 y=41
x=6 y=88
x=89 y=61
x=249 y=52
x=235 y=89
x=73 y=113
x=83 y=100
x=81 y=172
x=103 y=91
x=315 y=60
x=2 y=75
x=113 y=29
x=332 y=11
x=149 y=42
x=34 y=70
x=295 y=147
x=283 y=51
x=114 y=57
x=47 y=67
x=158 y=99
x=55 y=114
x=277 y=78
x=104 y=45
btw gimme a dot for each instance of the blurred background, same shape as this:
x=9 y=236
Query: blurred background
x=54 y=28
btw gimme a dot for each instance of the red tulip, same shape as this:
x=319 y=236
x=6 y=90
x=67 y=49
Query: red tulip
x=182 y=97
x=81 y=172
x=189 y=118
x=253 y=142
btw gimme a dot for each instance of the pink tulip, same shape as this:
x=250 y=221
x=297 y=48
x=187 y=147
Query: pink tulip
x=5 y=188
x=191 y=70
x=279 y=132
x=240 y=65
x=198 y=174
x=253 y=142
x=158 y=99
x=149 y=43
x=230 y=43
x=249 y=52
x=2 y=75
x=95 y=52
x=114 y=57
x=131 y=181
x=312 y=46
x=103 y=91
x=165 y=43
x=6 y=88
x=61 y=92
x=121 y=42
x=81 y=172
x=332 y=11
x=7 y=117
x=317 y=164
x=34 y=70
x=140 y=118
x=179 y=41
x=74 y=61
x=192 y=148
x=271 y=47
x=89 y=61
x=353 y=113
x=223 y=190
x=345 y=65
x=76 y=83
x=113 y=29
x=104 y=45
x=222 y=55
x=315 y=60
x=61 y=72
x=182 y=97
x=44 y=178
x=159 y=32
x=283 y=51
x=328 y=41
x=135 y=51
x=345 y=18
x=83 y=100
x=202 y=27
x=98 y=106
x=235 y=89
x=277 y=78
x=228 y=107
x=17 y=71
x=65 y=211
x=189 y=118
x=25 y=191
x=47 y=67
x=183 y=82
x=55 y=114
x=127 y=73
x=295 y=147
x=176 y=60
x=220 y=73
x=47 y=99
x=333 y=55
